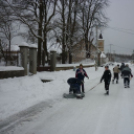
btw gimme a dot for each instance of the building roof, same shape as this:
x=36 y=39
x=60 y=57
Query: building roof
x=102 y=55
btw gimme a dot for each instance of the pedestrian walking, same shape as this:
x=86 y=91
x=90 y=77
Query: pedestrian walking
x=126 y=75
x=116 y=74
x=107 y=78
x=122 y=67
x=81 y=74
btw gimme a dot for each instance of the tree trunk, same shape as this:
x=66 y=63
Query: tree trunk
x=63 y=33
x=9 y=50
x=86 y=44
x=45 y=57
x=1 y=49
x=70 y=58
x=40 y=34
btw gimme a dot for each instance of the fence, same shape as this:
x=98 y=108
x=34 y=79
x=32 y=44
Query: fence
x=10 y=58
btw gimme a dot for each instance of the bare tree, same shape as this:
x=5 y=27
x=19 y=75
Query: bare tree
x=68 y=26
x=71 y=26
x=92 y=15
x=61 y=24
x=7 y=29
x=37 y=16
x=2 y=47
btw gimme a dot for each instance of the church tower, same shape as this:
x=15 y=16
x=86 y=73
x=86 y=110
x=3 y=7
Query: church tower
x=101 y=43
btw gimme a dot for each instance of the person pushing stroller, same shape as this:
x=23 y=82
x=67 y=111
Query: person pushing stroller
x=81 y=74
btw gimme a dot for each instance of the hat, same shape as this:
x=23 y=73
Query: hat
x=81 y=65
x=107 y=66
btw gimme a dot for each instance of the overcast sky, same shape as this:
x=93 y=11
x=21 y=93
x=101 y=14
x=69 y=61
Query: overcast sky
x=120 y=31
x=121 y=27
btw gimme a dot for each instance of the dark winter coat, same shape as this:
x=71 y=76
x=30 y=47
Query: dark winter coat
x=80 y=74
x=122 y=67
x=126 y=72
x=106 y=76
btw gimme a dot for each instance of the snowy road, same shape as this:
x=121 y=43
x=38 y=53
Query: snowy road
x=95 y=114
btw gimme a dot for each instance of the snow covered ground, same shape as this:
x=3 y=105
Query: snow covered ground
x=17 y=94
x=95 y=114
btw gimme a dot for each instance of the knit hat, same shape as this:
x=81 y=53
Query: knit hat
x=81 y=65
x=106 y=66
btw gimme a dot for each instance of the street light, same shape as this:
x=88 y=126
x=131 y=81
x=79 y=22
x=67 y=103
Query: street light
x=97 y=62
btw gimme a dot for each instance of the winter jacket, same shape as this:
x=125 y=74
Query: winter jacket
x=116 y=69
x=80 y=74
x=122 y=67
x=126 y=72
x=106 y=76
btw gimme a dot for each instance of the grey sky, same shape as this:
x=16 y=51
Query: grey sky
x=121 y=27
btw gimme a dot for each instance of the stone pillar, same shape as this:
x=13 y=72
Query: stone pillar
x=99 y=58
x=24 y=56
x=53 y=56
x=33 y=59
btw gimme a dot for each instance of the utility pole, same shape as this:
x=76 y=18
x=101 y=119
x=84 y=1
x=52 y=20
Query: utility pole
x=96 y=60
x=97 y=36
x=110 y=52
x=133 y=56
x=114 y=54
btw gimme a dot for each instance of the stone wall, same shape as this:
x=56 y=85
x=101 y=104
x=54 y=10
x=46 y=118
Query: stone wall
x=13 y=73
x=72 y=67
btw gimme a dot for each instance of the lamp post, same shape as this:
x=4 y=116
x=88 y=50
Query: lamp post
x=133 y=56
x=96 y=67
x=97 y=61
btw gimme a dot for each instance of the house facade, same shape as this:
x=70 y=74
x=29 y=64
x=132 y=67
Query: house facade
x=79 y=51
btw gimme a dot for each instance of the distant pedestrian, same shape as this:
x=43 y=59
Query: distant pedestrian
x=81 y=74
x=116 y=74
x=126 y=75
x=122 y=67
x=107 y=78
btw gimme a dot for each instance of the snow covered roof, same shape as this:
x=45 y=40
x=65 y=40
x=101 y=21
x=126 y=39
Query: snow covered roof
x=24 y=44
x=15 y=48
x=100 y=39
x=102 y=55
x=33 y=46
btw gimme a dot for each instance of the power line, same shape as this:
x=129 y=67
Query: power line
x=122 y=30
x=120 y=47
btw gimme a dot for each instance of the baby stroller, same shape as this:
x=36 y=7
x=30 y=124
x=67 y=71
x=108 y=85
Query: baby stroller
x=74 y=85
x=74 y=89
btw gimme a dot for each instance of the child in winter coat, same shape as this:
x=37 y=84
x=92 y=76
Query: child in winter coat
x=80 y=74
x=107 y=78
x=116 y=73
x=126 y=74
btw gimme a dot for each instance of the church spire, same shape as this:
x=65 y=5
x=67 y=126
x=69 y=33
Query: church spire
x=100 y=36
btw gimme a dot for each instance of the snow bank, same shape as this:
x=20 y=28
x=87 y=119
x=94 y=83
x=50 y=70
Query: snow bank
x=10 y=68
x=17 y=94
